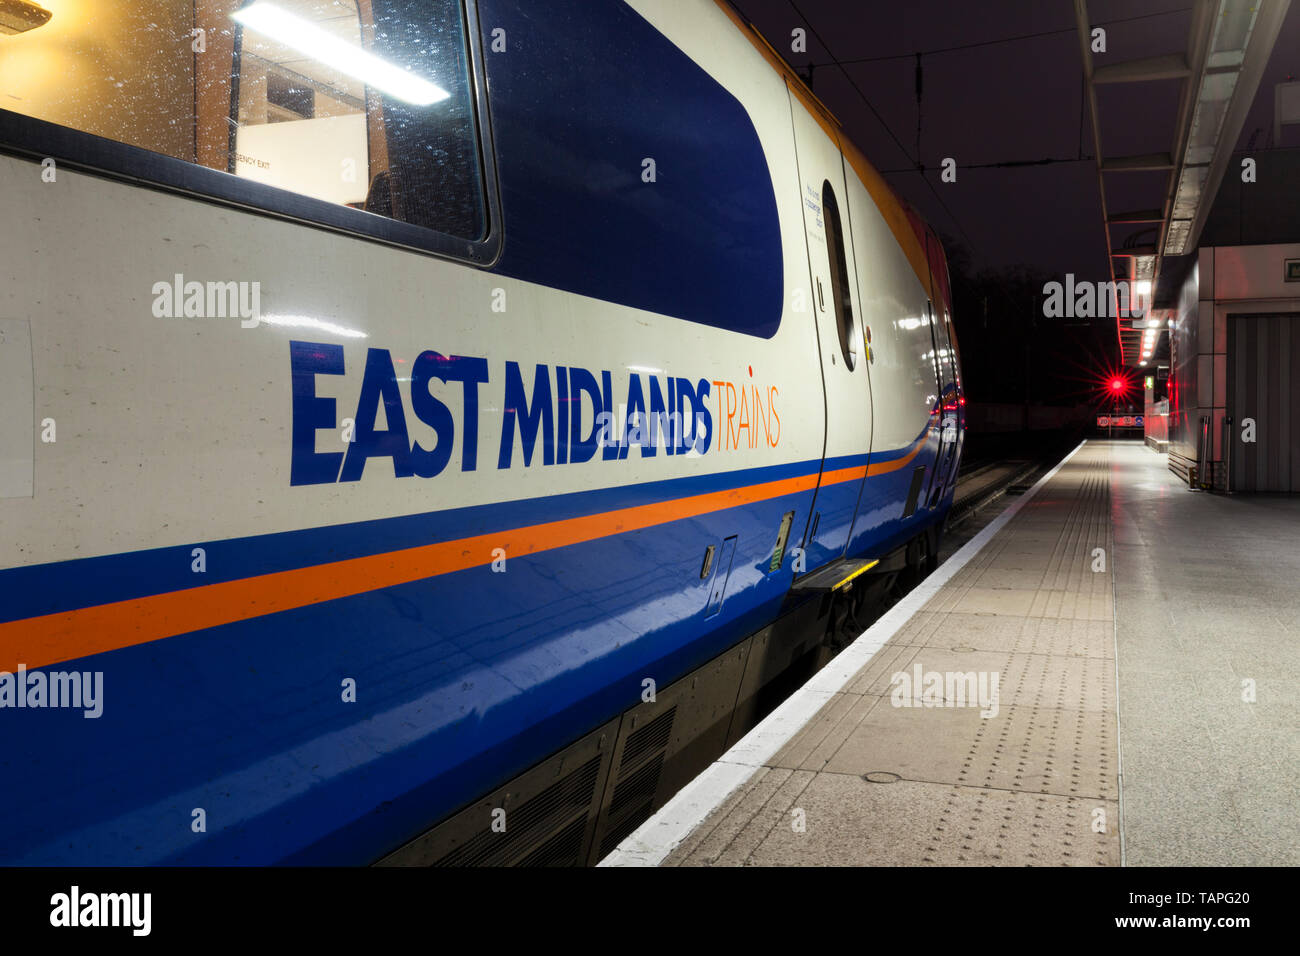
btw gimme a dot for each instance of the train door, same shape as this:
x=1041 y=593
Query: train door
x=957 y=424
x=836 y=313
x=949 y=429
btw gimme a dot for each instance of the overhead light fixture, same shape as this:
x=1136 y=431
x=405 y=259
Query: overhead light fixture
x=1143 y=287
x=307 y=38
x=19 y=16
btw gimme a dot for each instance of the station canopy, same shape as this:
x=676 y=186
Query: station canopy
x=1154 y=203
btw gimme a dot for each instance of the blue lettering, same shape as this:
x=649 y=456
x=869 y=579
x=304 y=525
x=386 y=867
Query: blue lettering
x=562 y=414
x=697 y=426
x=310 y=412
x=541 y=415
x=428 y=409
x=702 y=442
x=608 y=438
x=660 y=420
x=471 y=373
x=634 y=426
x=583 y=382
x=379 y=384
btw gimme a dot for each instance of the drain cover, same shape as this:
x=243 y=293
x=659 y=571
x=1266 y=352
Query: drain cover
x=881 y=776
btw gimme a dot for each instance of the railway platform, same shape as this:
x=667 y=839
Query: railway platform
x=1105 y=675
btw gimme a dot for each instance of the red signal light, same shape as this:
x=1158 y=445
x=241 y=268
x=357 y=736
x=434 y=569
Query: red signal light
x=1117 y=385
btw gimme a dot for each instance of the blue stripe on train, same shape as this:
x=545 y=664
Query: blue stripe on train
x=463 y=681
x=86 y=582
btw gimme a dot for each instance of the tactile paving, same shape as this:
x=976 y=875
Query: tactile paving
x=888 y=774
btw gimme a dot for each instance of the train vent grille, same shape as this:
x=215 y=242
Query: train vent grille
x=541 y=827
x=620 y=833
x=563 y=849
x=638 y=787
x=632 y=803
x=640 y=766
x=653 y=736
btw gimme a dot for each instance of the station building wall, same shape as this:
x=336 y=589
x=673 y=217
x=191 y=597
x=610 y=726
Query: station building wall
x=1234 y=363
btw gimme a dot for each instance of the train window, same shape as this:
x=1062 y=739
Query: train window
x=839 y=277
x=363 y=104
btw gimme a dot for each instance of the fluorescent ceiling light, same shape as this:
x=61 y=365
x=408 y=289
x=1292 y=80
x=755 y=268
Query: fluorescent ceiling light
x=312 y=41
x=1143 y=287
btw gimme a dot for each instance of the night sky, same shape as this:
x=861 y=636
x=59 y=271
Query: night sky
x=1016 y=101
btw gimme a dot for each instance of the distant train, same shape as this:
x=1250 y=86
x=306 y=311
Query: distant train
x=430 y=427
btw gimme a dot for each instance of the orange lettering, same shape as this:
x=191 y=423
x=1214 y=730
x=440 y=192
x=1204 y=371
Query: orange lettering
x=731 y=411
x=743 y=420
x=767 y=423
x=772 y=393
x=717 y=390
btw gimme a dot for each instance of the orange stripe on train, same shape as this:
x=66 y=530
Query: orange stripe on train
x=68 y=635
x=51 y=638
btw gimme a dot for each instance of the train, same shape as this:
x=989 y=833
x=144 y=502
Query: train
x=433 y=427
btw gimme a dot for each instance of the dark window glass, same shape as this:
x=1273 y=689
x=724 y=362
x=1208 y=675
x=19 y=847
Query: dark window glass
x=839 y=276
x=363 y=103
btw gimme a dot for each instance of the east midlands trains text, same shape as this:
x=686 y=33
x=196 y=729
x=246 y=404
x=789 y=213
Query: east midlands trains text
x=677 y=414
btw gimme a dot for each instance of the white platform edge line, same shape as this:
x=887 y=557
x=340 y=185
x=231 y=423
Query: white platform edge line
x=650 y=843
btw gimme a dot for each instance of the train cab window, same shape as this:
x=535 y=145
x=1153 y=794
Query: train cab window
x=367 y=104
x=839 y=277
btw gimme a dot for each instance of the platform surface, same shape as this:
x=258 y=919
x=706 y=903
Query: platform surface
x=1194 y=593
x=1208 y=590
